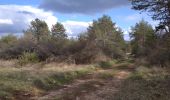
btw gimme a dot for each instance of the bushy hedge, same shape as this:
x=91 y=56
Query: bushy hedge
x=27 y=57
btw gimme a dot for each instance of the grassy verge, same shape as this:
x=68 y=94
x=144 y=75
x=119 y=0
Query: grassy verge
x=146 y=84
x=22 y=83
x=107 y=64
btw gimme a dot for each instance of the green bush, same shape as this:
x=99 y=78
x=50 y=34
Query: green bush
x=58 y=79
x=106 y=64
x=14 y=49
x=28 y=57
x=8 y=39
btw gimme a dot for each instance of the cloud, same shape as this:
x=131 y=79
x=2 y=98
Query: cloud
x=6 y=21
x=75 y=27
x=16 y=18
x=127 y=37
x=126 y=33
x=81 y=6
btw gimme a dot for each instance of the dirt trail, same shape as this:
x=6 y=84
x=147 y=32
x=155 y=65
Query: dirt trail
x=90 y=87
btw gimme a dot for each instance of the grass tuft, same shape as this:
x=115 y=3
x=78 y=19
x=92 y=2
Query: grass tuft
x=16 y=82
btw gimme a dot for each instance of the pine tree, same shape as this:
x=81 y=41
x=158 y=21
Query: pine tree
x=143 y=37
x=39 y=29
x=107 y=36
x=160 y=10
x=58 y=31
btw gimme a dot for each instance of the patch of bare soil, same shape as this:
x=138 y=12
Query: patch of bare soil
x=108 y=90
x=90 y=87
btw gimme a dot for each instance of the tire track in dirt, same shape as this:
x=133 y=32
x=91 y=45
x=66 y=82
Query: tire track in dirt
x=90 y=87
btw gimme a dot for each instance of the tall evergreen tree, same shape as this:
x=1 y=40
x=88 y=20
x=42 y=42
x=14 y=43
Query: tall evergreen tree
x=106 y=35
x=105 y=30
x=39 y=29
x=143 y=38
x=58 y=31
x=160 y=10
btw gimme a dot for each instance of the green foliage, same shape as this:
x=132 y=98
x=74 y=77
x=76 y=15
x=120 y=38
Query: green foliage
x=7 y=42
x=107 y=37
x=15 y=50
x=159 y=9
x=105 y=30
x=9 y=39
x=144 y=90
x=58 y=31
x=141 y=72
x=28 y=57
x=106 y=64
x=161 y=54
x=10 y=86
x=39 y=29
x=148 y=45
x=143 y=38
x=17 y=82
x=102 y=39
x=145 y=84
x=56 y=80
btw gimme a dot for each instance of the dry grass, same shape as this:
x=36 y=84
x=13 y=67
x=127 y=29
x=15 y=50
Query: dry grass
x=8 y=63
x=24 y=82
x=146 y=84
x=34 y=79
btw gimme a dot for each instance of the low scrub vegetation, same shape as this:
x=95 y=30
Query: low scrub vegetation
x=146 y=84
x=32 y=81
x=106 y=64
x=27 y=58
x=102 y=41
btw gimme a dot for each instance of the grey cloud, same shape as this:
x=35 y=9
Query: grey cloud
x=16 y=27
x=81 y=6
x=15 y=18
x=25 y=12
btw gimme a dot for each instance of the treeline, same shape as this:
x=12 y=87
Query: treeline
x=149 y=46
x=152 y=45
x=102 y=41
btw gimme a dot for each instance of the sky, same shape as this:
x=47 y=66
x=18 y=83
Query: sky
x=75 y=15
